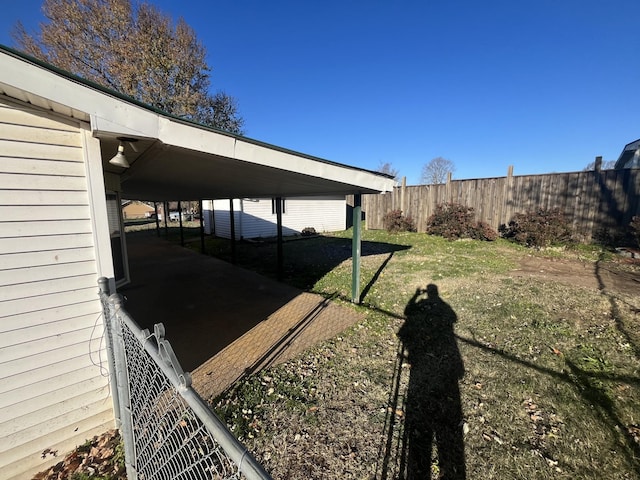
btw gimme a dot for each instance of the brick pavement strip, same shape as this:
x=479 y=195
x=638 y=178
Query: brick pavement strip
x=305 y=321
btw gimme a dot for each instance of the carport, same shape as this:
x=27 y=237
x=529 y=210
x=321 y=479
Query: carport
x=169 y=159
x=224 y=321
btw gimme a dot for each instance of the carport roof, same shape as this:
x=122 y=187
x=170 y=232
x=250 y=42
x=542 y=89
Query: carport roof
x=172 y=158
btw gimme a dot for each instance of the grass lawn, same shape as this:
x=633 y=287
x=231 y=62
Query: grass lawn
x=487 y=373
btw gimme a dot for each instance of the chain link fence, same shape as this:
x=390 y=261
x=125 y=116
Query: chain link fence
x=169 y=432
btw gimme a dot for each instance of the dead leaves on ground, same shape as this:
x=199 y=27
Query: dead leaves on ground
x=102 y=456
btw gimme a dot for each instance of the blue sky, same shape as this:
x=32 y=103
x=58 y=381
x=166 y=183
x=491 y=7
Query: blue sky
x=544 y=85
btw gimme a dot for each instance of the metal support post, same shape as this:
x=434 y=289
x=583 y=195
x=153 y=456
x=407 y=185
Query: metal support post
x=356 y=248
x=180 y=219
x=280 y=255
x=107 y=319
x=166 y=219
x=155 y=207
x=201 y=215
x=232 y=225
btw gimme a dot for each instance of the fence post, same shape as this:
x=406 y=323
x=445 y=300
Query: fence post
x=507 y=199
x=103 y=284
x=403 y=196
x=122 y=382
x=598 y=164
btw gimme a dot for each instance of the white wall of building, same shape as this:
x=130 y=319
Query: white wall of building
x=256 y=217
x=54 y=392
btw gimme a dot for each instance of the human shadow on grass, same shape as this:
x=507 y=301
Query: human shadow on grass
x=588 y=384
x=433 y=408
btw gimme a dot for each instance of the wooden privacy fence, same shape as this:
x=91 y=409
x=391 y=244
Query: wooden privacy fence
x=599 y=203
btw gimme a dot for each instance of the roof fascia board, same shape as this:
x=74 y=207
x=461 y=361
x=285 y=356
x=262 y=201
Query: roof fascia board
x=104 y=127
x=34 y=79
x=186 y=136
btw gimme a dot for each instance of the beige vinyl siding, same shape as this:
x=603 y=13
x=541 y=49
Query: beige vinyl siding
x=54 y=392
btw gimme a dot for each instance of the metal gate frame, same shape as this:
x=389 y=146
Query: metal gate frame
x=169 y=431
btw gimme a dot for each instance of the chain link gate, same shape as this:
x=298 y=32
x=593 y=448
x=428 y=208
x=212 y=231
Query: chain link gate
x=169 y=432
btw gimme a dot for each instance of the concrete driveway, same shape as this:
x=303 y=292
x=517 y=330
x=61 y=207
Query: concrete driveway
x=223 y=321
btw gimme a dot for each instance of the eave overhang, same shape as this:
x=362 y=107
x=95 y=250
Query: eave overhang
x=173 y=158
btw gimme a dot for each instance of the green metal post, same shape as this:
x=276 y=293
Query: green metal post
x=356 y=247
x=280 y=254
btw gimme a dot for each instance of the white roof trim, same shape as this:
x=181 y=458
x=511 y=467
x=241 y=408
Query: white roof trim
x=111 y=116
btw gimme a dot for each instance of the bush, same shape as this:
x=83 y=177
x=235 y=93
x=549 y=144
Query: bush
x=635 y=229
x=539 y=228
x=393 y=221
x=484 y=231
x=452 y=221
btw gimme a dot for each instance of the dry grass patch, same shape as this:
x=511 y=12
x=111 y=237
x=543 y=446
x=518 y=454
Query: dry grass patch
x=550 y=374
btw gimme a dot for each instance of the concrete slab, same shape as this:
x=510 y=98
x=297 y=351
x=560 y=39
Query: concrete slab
x=223 y=321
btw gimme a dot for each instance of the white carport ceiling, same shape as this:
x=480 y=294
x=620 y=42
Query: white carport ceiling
x=176 y=173
x=174 y=159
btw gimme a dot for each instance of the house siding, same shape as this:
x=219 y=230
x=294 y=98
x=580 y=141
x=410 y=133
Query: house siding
x=255 y=218
x=325 y=214
x=54 y=392
x=258 y=219
x=216 y=217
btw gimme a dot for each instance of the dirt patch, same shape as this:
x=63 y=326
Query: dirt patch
x=620 y=275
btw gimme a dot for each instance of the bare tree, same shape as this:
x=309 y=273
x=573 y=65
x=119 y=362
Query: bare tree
x=138 y=51
x=436 y=170
x=387 y=167
x=606 y=165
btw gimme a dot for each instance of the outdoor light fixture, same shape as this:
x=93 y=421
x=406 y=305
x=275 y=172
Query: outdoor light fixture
x=120 y=160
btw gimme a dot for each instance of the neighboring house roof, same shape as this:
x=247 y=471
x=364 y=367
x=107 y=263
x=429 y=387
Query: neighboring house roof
x=174 y=158
x=134 y=204
x=630 y=156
